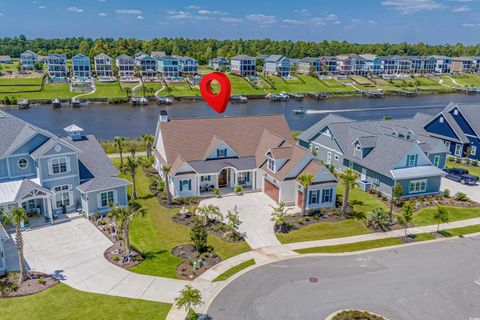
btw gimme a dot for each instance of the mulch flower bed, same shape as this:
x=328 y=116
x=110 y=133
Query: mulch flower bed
x=116 y=253
x=36 y=282
x=195 y=263
x=213 y=227
x=413 y=237
x=297 y=220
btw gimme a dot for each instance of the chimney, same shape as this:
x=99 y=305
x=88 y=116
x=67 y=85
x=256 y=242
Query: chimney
x=74 y=132
x=163 y=116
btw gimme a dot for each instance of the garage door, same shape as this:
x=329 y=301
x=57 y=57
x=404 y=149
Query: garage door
x=271 y=190
x=300 y=199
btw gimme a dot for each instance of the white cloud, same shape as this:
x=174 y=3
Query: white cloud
x=41 y=7
x=193 y=7
x=128 y=11
x=102 y=14
x=293 y=21
x=204 y=11
x=261 y=18
x=471 y=25
x=140 y=17
x=75 y=9
x=1 y=14
x=214 y=12
x=461 y=9
x=178 y=15
x=304 y=12
x=230 y=20
x=331 y=17
x=412 y=6
x=102 y=0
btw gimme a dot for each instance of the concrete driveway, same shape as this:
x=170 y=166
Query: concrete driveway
x=255 y=213
x=472 y=191
x=74 y=252
x=439 y=280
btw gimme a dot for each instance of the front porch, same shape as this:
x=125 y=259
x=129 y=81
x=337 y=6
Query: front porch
x=225 y=181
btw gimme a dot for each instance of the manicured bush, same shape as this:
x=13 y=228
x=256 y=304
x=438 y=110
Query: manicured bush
x=446 y=193
x=356 y=315
x=460 y=196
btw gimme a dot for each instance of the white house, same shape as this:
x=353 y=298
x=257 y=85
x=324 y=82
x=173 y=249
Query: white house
x=103 y=65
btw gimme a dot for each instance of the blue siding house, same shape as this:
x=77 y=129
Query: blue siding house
x=49 y=176
x=277 y=65
x=383 y=152
x=168 y=67
x=458 y=126
x=81 y=67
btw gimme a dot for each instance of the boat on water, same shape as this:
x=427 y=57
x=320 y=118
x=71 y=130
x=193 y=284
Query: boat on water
x=23 y=104
x=238 y=99
x=139 y=101
x=165 y=100
x=57 y=103
x=75 y=102
x=278 y=97
x=300 y=110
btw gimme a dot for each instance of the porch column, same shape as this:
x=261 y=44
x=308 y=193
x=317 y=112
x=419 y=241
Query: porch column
x=49 y=210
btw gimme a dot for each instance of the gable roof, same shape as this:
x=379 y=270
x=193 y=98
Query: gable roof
x=313 y=130
x=471 y=113
x=275 y=58
x=243 y=57
x=102 y=55
x=190 y=138
x=451 y=122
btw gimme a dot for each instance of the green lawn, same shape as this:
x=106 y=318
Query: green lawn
x=461 y=231
x=468 y=80
x=424 y=217
x=63 y=302
x=156 y=234
x=472 y=170
x=362 y=203
x=230 y=272
x=306 y=84
x=351 y=247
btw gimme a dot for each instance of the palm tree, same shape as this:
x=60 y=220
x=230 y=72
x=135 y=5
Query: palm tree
x=16 y=217
x=166 y=172
x=124 y=216
x=148 y=139
x=132 y=164
x=306 y=180
x=349 y=179
x=119 y=142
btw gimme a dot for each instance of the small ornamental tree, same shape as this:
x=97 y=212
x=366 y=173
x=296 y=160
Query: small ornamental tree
x=233 y=222
x=189 y=298
x=407 y=215
x=397 y=193
x=280 y=215
x=199 y=236
x=440 y=216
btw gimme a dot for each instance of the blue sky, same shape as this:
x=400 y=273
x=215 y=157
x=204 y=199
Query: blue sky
x=364 y=21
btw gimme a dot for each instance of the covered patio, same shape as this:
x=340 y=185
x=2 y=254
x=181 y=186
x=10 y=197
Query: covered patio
x=226 y=180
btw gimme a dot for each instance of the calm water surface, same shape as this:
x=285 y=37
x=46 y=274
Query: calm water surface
x=106 y=121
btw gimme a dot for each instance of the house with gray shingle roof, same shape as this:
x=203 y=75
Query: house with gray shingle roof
x=458 y=127
x=49 y=176
x=383 y=152
x=255 y=152
x=277 y=65
x=243 y=65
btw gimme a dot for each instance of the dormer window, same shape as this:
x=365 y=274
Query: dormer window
x=455 y=112
x=412 y=160
x=271 y=164
x=441 y=120
x=221 y=153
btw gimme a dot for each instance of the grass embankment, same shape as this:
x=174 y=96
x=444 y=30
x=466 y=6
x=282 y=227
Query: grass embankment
x=351 y=247
x=110 y=147
x=63 y=302
x=156 y=234
x=471 y=169
x=230 y=272
x=424 y=217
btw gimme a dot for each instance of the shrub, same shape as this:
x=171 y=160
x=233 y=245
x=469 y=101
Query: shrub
x=451 y=159
x=446 y=193
x=15 y=286
x=42 y=280
x=460 y=196
x=116 y=258
x=238 y=189
x=378 y=219
x=118 y=100
x=458 y=160
x=216 y=192
x=300 y=221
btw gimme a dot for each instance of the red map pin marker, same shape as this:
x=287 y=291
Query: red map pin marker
x=220 y=100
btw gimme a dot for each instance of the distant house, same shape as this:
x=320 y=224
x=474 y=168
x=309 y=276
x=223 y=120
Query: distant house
x=187 y=66
x=458 y=127
x=462 y=64
x=157 y=54
x=383 y=152
x=442 y=64
x=148 y=65
x=350 y=64
x=81 y=66
x=373 y=64
x=219 y=63
x=28 y=60
x=103 y=65
x=329 y=64
x=277 y=65
x=243 y=65
x=126 y=66
x=309 y=65
x=168 y=67
x=57 y=66
x=5 y=60
x=207 y=153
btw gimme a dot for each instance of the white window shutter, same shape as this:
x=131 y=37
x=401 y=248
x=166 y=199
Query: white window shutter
x=49 y=165
x=99 y=200
x=115 y=198
x=67 y=161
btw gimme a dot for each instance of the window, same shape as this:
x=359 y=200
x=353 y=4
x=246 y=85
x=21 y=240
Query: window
x=447 y=144
x=458 y=150
x=326 y=195
x=63 y=195
x=221 y=153
x=313 y=197
x=106 y=198
x=205 y=178
x=455 y=112
x=185 y=185
x=473 y=150
x=418 y=186
x=436 y=161
x=22 y=163
x=412 y=160
x=243 y=177
x=441 y=120
x=59 y=165
x=271 y=164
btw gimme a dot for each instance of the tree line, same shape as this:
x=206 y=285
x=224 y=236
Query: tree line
x=205 y=49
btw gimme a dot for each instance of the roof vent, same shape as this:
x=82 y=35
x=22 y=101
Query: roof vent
x=163 y=116
x=74 y=132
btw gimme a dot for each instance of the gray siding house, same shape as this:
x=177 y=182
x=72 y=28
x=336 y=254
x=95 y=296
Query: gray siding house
x=49 y=176
x=383 y=152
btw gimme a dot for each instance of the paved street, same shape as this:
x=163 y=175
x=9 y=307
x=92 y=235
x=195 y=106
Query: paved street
x=473 y=192
x=439 y=280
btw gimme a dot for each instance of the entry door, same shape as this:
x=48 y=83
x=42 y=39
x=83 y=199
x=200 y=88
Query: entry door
x=223 y=178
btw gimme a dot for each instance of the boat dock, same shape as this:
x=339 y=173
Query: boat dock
x=296 y=96
x=23 y=104
x=164 y=100
x=374 y=94
x=404 y=93
x=238 y=99
x=278 y=97
x=318 y=95
x=469 y=91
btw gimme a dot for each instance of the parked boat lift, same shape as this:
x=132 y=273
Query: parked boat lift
x=139 y=101
x=23 y=104
x=296 y=96
x=278 y=97
x=238 y=99
x=164 y=100
x=374 y=94
x=470 y=91
x=318 y=95
x=57 y=103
